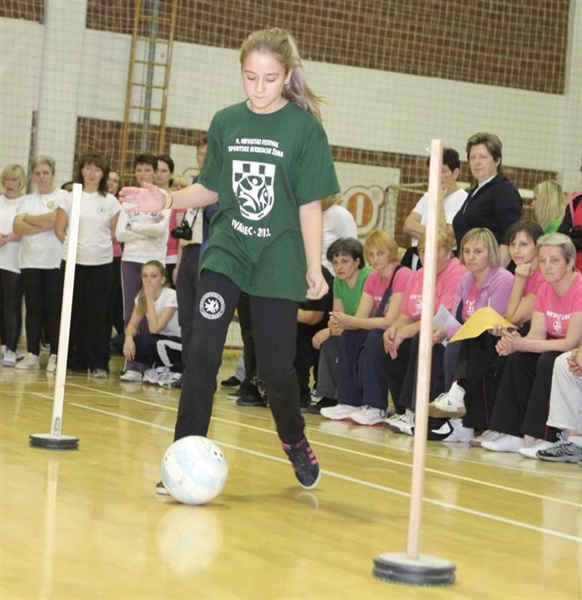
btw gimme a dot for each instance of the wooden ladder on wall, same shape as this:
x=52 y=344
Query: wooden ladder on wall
x=146 y=96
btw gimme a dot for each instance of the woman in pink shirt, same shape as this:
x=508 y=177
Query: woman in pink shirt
x=400 y=341
x=522 y=403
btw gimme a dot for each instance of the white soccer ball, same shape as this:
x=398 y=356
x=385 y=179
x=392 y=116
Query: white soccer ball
x=194 y=470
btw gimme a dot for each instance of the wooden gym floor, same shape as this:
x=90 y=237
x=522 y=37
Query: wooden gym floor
x=87 y=524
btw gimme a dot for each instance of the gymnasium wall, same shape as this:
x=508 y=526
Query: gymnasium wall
x=396 y=73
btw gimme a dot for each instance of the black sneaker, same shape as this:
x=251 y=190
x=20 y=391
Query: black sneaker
x=304 y=462
x=315 y=409
x=230 y=382
x=251 y=400
x=161 y=490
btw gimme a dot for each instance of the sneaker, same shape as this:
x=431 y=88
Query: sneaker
x=304 y=462
x=452 y=431
x=392 y=418
x=9 y=359
x=504 y=443
x=367 y=415
x=561 y=452
x=152 y=376
x=315 y=409
x=99 y=374
x=251 y=399
x=51 y=365
x=402 y=423
x=170 y=380
x=531 y=451
x=338 y=412
x=231 y=382
x=486 y=436
x=131 y=376
x=449 y=404
x=30 y=361
x=161 y=490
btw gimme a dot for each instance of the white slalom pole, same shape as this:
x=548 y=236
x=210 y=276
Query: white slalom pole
x=412 y=567
x=55 y=440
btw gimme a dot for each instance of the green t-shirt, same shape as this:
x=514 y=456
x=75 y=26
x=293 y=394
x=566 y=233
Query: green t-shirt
x=350 y=297
x=264 y=167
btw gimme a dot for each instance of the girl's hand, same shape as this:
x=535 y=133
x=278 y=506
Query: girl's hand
x=321 y=336
x=389 y=337
x=317 y=285
x=575 y=362
x=338 y=319
x=145 y=199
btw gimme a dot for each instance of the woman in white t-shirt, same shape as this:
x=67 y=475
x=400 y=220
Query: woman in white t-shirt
x=39 y=260
x=13 y=182
x=156 y=302
x=99 y=211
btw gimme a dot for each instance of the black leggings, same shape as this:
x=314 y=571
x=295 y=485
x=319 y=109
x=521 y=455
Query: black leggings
x=11 y=317
x=42 y=295
x=274 y=326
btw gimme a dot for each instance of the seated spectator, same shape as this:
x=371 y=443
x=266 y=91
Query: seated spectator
x=478 y=369
x=566 y=409
x=414 y=226
x=156 y=302
x=486 y=284
x=521 y=405
x=399 y=350
x=362 y=385
x=346 y=257
x=548 y=205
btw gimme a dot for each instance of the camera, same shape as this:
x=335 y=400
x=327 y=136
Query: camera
x=182 y=232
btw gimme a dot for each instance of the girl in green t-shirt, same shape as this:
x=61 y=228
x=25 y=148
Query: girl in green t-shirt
x=268 y=164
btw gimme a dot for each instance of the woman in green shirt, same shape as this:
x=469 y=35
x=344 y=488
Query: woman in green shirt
x=268 y=164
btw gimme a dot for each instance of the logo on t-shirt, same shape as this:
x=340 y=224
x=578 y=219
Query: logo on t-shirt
x=212 y=306
x=253 y=185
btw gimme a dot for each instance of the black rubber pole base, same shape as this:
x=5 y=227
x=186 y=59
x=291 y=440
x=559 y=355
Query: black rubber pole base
x=426 y=570
x=47 y=441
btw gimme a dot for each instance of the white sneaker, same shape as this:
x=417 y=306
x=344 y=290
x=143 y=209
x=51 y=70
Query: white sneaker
x=531 y=451
x=338 y=412
x=51 y=365
x=504 y=443
x=153 y=375
x=9 y=359
x=29 y=362
x=368 y=415
x=403 y=424
x=131 y=376
x=170 y=380
x=486 y=436
x=449 y=404
x=459 y=433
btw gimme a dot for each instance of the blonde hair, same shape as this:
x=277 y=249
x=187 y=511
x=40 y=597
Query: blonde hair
x=43 y=159
x=550 y=202
x=482 y=234
x=559 y=240
x=378 y=238
x=179 y=180
x=16 y=172
x=281 y=45
x=444 y=240
x=141 y=306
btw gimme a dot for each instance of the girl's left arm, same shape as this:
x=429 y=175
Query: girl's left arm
x=312 y=232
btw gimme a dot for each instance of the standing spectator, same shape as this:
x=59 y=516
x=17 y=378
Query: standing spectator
x=89 y=336
x=163 y=179
x=144 y=236
x=338 y=222
x=40 y=260
x=494 y=202
x=454 y=197
x=14 y=182
x=549 y=202
x=115 y=311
